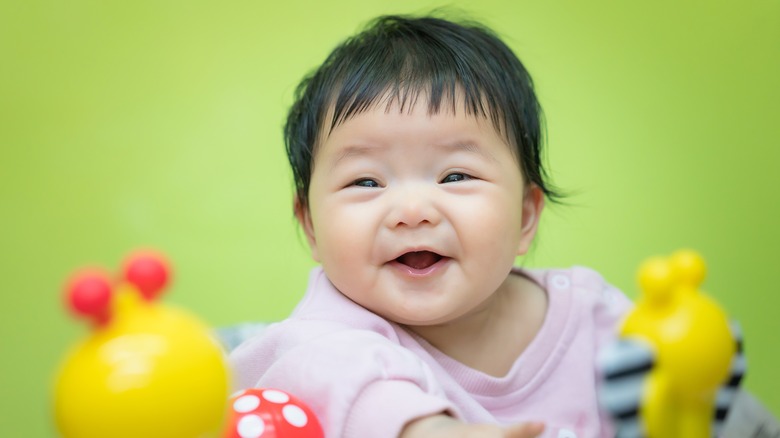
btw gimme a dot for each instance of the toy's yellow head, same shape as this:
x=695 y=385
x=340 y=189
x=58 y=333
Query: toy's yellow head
x=661 y=278
x=146 y=370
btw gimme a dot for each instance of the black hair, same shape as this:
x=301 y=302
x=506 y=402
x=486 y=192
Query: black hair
x=399 y=57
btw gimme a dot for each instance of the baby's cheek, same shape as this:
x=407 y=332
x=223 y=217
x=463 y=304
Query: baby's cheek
x=495 y=236
x=344 y=243
x=495 y=221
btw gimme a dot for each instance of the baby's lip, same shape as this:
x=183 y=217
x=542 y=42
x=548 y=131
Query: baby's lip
x=420 y=263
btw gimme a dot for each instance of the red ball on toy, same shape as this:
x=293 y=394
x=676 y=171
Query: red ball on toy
x=148 y=271
x=270 y=413
x=88 y=294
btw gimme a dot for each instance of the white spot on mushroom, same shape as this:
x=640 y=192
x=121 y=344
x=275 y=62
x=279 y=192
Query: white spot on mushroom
x=295 y=415
x=274 y=396
x=246 y=403
x=251 y=426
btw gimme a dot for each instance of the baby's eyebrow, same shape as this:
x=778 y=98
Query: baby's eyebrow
x=354 y=150
x=468 y=146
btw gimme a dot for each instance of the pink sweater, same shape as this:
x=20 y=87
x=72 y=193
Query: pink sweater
x=366 y=377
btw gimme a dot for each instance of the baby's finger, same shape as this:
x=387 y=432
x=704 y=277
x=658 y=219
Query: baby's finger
x=525 y=430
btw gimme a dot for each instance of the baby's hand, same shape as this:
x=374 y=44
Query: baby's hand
x=447 y=427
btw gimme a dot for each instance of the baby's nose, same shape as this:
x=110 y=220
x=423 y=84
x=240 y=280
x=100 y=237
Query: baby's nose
x=413 y=206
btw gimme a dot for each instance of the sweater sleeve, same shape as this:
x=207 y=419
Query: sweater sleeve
x=384 y=407
x=357 y=382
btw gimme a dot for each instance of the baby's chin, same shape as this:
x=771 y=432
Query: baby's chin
x=422 y=318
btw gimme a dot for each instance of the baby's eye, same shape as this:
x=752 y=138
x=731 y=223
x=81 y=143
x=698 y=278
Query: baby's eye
x=455 y=177
x=366 y=182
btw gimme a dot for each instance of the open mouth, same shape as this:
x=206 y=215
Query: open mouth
x=419 y=259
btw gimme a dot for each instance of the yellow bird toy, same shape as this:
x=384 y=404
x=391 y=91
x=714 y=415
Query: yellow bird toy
x=146 y=370
x=678 y=361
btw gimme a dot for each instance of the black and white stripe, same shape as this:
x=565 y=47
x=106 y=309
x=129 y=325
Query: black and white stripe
x=624 y=366
x=728 y=392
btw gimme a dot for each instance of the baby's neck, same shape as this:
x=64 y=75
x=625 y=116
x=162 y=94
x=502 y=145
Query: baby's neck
x=491 y=339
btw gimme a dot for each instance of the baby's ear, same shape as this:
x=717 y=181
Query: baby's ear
x=303 y=215
x=533 y=203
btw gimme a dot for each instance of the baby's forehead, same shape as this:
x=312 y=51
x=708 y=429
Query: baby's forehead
x=380 y=128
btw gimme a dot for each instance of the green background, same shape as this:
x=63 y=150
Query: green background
x=158 y=124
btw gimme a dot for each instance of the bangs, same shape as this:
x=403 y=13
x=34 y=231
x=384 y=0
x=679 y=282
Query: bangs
x=402 y=86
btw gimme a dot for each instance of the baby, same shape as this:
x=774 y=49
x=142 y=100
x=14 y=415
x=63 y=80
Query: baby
x=416 y=151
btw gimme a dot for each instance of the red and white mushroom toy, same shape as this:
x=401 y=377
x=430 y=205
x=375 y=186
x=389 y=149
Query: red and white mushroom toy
x=270 y=413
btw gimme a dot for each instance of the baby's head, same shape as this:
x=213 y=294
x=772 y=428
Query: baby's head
x=416 y=152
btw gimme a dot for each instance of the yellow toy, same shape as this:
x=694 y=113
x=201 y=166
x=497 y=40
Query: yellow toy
x=693 y=354
x=146 y=370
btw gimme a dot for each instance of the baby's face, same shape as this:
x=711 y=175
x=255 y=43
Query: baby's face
x=418 y=217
